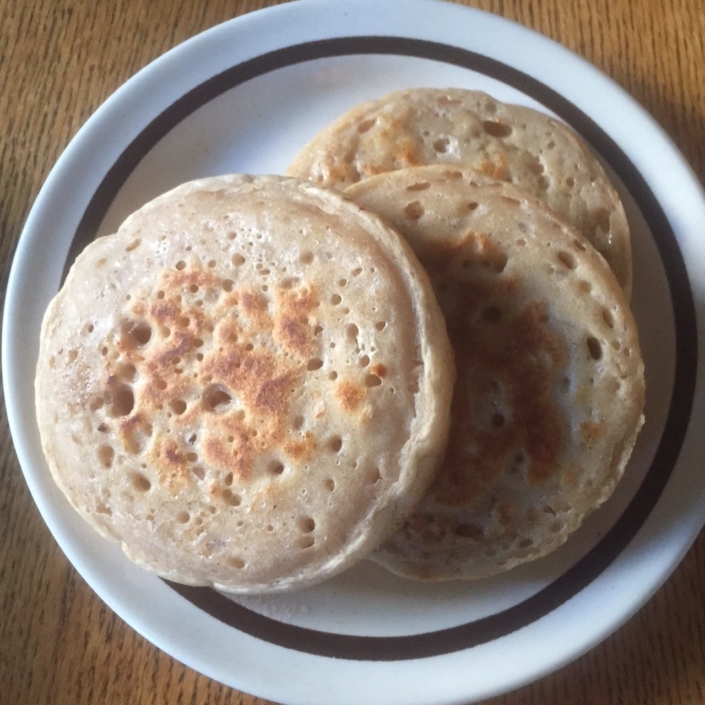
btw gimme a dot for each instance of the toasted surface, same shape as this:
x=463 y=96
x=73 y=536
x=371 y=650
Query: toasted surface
x=248 y=386
x=509 y=142
x=550 y=387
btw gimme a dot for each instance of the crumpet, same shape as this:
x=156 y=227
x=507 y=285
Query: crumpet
x=424 y=126
x=550 y=389
x=248 y=386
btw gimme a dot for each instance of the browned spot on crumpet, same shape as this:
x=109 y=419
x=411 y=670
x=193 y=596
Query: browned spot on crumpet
x=408 y=152
x=591 y=431
x=129 y=424
x=258 y=379
x=535 y=357
x=514 y=372
x=216 y=453
x=159 y=390
x=342 y=172
x=496 y=167
x=255 y=370
x=401 y=147
x=298 y=301
x=180 y=344
x=225 y=367
x=163 y=311
x=294 y=335
x=349 y=394
x=171 y=311
x=236 y=456
x=379 y=370
x=130 y=428
x=253 y=375
x=405 y=152
x=301 y=450
x=292 y=328
x=254 y=306
x=228 y=331
x=171 y=464
x=273 y=394
x=173 y=456
x=484 y=252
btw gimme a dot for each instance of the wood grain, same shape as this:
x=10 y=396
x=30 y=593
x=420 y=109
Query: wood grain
x=59 y=60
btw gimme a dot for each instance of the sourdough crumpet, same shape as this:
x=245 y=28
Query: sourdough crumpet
x=510 y=142
x=550 y=389
x=248 y=386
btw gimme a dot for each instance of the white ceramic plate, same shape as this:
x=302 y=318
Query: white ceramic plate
x=245 y=96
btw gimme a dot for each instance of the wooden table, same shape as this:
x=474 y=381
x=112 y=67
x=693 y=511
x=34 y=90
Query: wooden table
x=59 y=60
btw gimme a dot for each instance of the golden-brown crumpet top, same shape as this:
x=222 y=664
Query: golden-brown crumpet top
x=248 y=386
x=508 y=142
x=550 y=389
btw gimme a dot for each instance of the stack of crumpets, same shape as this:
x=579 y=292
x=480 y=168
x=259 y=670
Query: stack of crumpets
x=252 y=384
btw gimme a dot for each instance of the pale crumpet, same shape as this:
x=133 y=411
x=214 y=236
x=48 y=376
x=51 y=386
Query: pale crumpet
x=550 y=389
x=513 y=143
x=247 y=386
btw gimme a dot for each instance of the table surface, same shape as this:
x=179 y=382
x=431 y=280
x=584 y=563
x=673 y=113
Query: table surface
x=59 y=60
